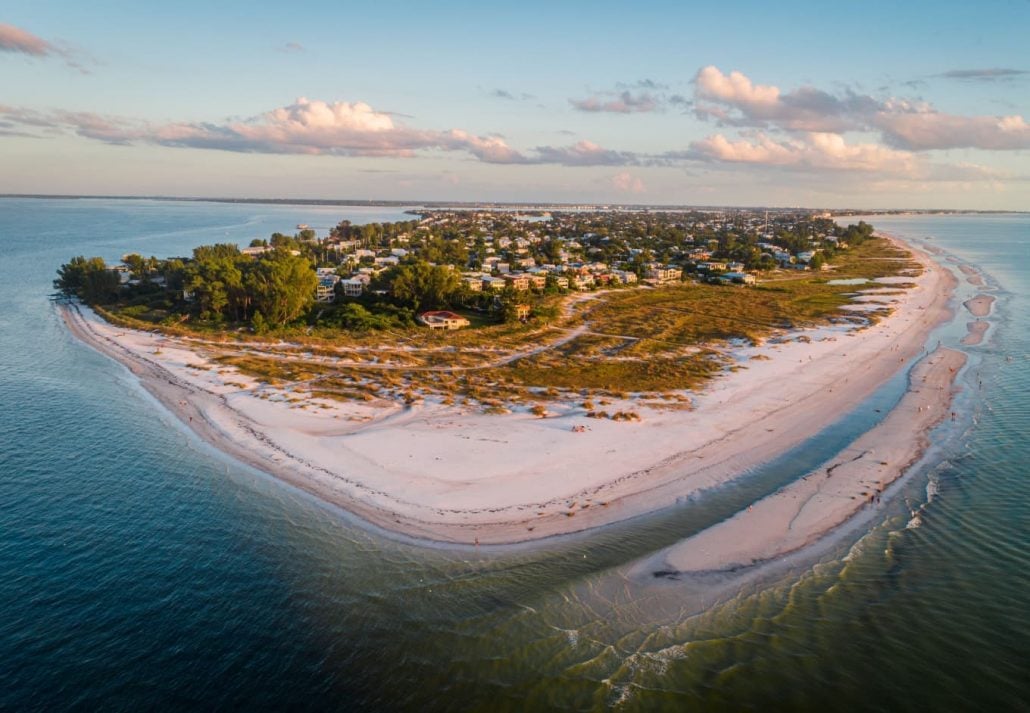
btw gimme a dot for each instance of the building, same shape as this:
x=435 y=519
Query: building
x=537 y=281
x=355 y=286
x=663 y=274
x=326 y=289
x=738 y=277
x=442 y=319
x=517 y=280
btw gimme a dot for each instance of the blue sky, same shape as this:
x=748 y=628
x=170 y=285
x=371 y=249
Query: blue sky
x=869 y=105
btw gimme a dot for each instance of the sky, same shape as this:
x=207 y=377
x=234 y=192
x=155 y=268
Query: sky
x=814 y=104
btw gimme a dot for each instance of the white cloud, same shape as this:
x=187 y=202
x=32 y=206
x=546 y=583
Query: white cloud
x=311 y=127
x=920 y=127
x=15 y=39
x=734 y=100
x=18 y=41
x=626 y=182
x=828 y=152
x=624 y=102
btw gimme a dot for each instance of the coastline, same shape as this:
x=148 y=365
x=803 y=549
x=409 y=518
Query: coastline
x=802 y=512
x=441 y=475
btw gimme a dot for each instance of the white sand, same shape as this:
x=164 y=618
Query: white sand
x=975 y=332
x=810 y=507
x=441 y=473
x=979 y=306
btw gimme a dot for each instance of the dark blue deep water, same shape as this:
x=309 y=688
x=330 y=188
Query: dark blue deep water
x=142 y=570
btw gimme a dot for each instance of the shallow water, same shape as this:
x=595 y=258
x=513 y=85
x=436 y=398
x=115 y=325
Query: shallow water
x=141 y=569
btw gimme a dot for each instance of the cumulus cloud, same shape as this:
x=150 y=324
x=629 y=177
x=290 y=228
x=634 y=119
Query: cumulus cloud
x=919 y=127
x=734 y=100
x=310 y=127
x=812 y=150
x=18 y=41
x=626 y=182
x=822 y=152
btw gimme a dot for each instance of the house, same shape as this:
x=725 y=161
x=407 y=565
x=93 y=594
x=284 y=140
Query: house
x=537 y=281
x=663 y=274
x=474 y=283
x=442 y=319
x=735 y=266
x=256 y=250
x=518 y=281
x=325 y=291
x=493 y=283
x=582 y=282
x=522 y=312
x=355 y=286
x=738 y=277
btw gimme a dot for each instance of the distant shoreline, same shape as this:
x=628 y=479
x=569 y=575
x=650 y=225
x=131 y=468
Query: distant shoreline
x=421 y=471
x=468 y=205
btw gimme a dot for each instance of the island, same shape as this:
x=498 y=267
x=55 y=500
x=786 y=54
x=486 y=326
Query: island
x=492 y=377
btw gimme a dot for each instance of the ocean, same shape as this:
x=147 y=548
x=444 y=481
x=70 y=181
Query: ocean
x=142 y=569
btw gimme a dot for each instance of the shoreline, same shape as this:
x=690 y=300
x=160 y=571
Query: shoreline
x=804 y=511
x=533 y=479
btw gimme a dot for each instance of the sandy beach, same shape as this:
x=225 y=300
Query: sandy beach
x=821 y=501
x=440 y=473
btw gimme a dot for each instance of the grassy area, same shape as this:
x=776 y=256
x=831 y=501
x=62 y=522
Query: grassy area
x=650 y=342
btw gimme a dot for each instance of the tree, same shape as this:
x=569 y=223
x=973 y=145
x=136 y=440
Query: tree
x=423 y=286
x=88 y=279
x=282 y=286
x=136 y=264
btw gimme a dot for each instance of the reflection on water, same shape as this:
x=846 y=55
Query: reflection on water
x=142 y=569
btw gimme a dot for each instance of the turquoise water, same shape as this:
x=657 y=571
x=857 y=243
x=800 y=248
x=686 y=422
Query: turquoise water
x=141 y=569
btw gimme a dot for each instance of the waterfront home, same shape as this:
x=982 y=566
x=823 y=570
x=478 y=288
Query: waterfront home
x=355 y=286
x=663 y=274
x=325 y=291
x=537 y=281
x=256 y=250
x=738 y=278
x=442 y=319
x=518 y=280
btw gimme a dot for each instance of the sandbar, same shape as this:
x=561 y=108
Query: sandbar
x=809 y=508
x=976 y=331
x=979 y=306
